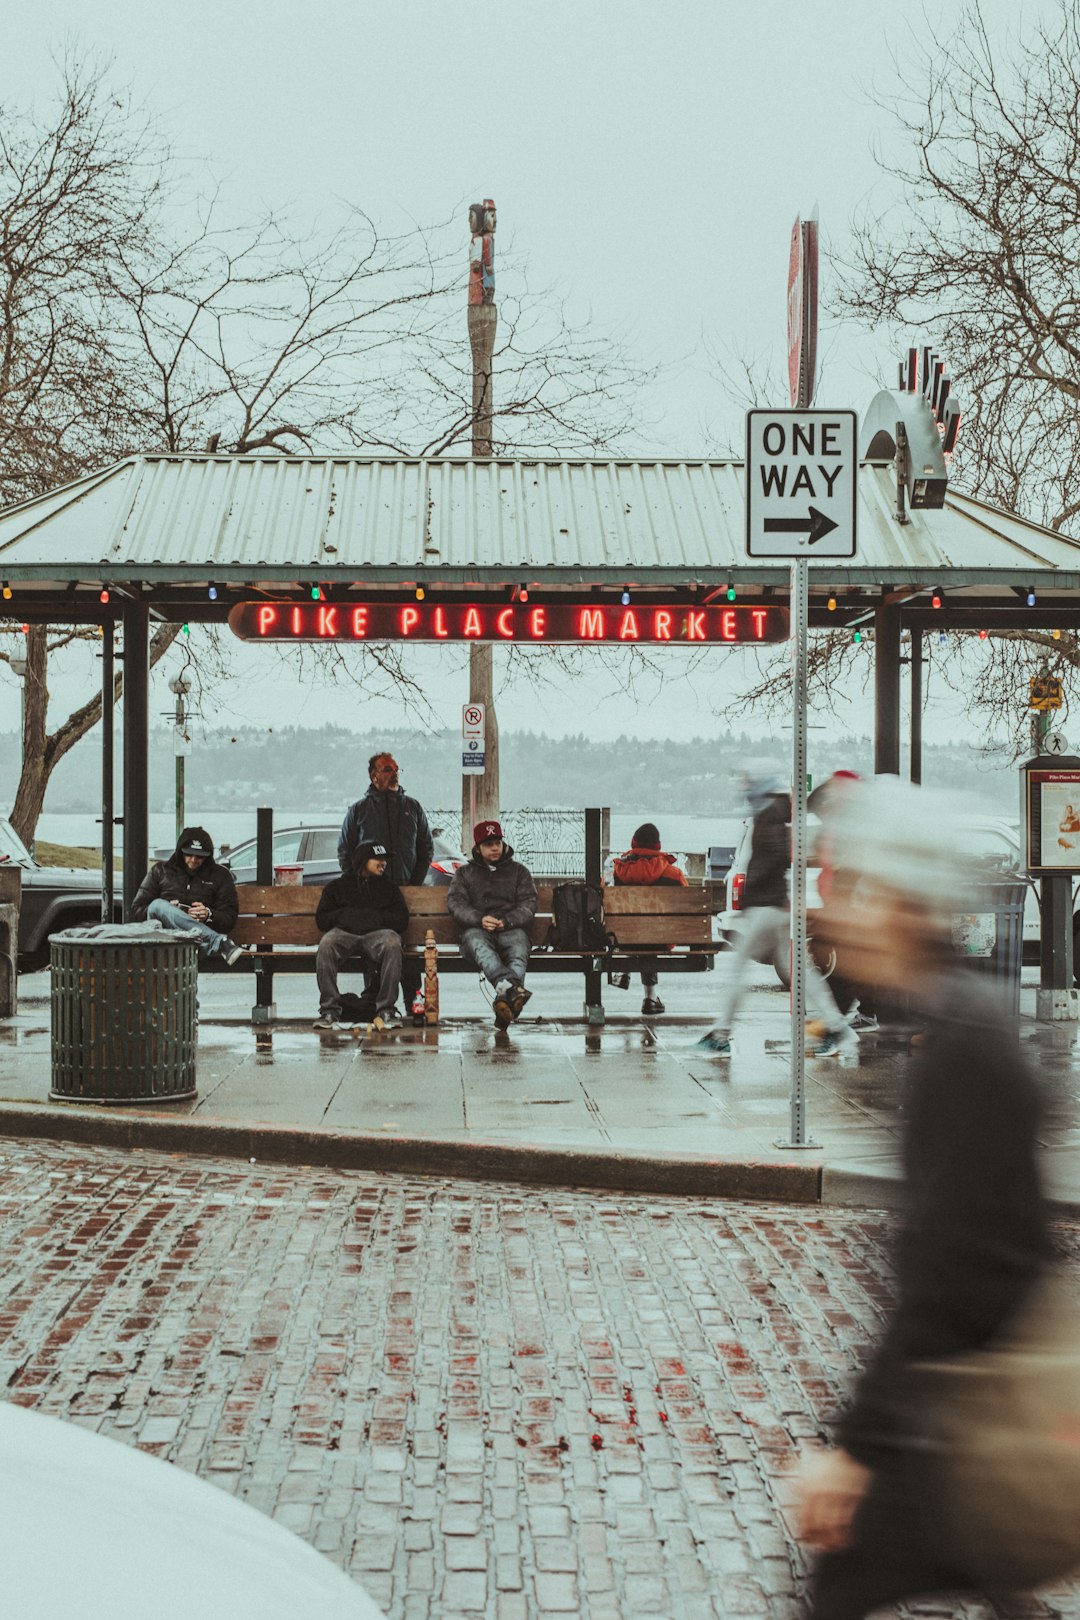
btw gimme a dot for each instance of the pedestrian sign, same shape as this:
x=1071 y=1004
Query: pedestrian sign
x=801 y=484
x=1045 y=693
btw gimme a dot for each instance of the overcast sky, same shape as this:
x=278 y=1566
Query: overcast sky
x=649 y=158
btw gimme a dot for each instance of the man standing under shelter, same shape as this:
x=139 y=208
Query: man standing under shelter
x=388 y=816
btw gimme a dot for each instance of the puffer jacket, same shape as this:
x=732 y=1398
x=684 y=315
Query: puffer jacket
x=504 y=890
x=361 y=905
x=212 y=884
x=648 y=866
x=396 y=821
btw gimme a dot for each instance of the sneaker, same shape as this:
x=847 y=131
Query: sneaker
x=859 y=1020
x=504 y=1012
x=231 y=951
x=842 y=1043
x=389 y=1018
x=517 y=996
x=716 y=1042
x=619 y=981
x=326 y=1021
x=651 y=1006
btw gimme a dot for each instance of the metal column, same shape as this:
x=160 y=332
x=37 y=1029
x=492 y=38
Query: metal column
x=136 y=748
x=594 y=996
x=916 y=704
x=108 y=750
x=264 y=1010
x=800 y=606
x=887 y=689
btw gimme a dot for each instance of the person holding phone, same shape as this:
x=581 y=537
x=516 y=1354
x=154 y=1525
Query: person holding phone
x=193 y=892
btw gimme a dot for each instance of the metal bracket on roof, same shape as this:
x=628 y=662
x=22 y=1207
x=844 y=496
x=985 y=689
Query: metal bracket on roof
x=925 y=474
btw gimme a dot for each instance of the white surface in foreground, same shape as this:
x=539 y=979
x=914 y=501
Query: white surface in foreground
x=94 y=1528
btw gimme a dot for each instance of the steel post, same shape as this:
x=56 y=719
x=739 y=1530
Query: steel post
x=887 y=689
x=136 y=748
x=594 y=995
x=800 y=604
x=264 y=1010
x=108 y=741
x=916 y=704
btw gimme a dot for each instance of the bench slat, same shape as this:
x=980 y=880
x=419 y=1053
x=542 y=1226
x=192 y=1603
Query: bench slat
x=667 y=900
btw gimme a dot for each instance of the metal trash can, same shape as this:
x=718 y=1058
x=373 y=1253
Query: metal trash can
x=990 y=938
x=123 y=1019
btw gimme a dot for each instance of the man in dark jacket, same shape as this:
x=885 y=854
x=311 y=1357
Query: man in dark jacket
x=974 y=1238
x=388 y=816
x=363 y=914
x=766 y=931
x=646 y=862
x=192 y=892
x=493 y=900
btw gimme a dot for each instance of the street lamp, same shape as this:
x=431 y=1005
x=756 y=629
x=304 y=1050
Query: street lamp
x=181 y=685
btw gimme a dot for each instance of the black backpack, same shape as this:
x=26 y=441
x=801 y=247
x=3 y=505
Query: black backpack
x=577 y=920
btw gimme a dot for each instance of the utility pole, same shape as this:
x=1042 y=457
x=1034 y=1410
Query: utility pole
x=480 y=794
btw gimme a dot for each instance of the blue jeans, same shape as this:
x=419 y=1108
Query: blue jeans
x=500 y=955
x=164 y=912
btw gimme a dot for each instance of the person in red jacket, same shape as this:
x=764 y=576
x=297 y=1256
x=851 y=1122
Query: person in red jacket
x=646 y=862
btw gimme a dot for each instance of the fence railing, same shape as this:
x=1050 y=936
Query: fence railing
x=551 y=842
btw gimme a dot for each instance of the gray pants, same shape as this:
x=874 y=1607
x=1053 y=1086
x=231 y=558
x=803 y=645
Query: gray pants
x=765 y=932
x=382 y=948
x=170 y=916
x=503 y=954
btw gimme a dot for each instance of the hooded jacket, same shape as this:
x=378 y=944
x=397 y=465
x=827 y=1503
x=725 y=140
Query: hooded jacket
x=770 y=855
x=361 y=904
x=398 y=822
x=211 y=884
x=648 y=866
x=504 y=890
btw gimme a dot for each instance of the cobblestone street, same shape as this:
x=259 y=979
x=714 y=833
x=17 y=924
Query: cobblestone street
x=478 y=1400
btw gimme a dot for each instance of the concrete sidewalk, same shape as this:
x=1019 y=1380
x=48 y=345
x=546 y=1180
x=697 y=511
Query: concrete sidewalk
x=630 y=1106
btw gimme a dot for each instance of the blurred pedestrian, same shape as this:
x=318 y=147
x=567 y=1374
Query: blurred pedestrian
x=824 y=802
x=882 y=1508
x=646 y=862
x=766 y=930
x=493 y=901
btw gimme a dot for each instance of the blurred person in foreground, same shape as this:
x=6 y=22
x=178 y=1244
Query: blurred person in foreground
x=853 y=1000
x=883 y=1508
x=766 y=931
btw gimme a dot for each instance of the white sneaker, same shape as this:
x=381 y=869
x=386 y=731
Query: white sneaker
x=841 y=1043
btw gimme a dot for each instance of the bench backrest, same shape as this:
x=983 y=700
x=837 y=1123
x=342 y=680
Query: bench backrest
x=638 y=917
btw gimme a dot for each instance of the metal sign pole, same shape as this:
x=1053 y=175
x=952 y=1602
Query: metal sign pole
x=800 y=601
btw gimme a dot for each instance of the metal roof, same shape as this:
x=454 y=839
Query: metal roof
x=248 y=518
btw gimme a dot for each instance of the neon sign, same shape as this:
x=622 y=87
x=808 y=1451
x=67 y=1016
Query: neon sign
x=536 y=624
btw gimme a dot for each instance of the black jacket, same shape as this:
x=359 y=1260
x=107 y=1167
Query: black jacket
x=504 y=890
x=396 y=821
x=361 y=905
x=212 y=884
x=770 y=855
x=974 y=1237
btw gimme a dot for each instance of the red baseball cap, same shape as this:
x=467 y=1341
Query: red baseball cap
x=486 y=829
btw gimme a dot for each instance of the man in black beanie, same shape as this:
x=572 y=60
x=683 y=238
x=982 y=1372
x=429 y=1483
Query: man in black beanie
x=192 y=892
x=362 y=913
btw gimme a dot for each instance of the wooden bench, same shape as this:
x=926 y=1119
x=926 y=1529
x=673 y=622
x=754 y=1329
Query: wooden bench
x=659 y=930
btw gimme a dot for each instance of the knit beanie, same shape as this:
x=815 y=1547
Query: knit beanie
x=646 y=837
x=369 y=852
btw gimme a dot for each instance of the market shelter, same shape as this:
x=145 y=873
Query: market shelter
x=191 y=538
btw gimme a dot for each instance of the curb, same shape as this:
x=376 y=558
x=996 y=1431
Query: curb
x=684 y=1175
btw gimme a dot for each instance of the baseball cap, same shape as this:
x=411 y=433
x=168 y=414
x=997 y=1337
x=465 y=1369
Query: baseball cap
x=486 y=829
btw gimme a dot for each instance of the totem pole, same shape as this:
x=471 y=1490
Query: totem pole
x=480 y=794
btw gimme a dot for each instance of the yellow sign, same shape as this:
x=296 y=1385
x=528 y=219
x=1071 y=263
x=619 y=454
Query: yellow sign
x=1045 y=693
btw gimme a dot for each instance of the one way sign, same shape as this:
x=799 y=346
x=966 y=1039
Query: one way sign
x=801 y=484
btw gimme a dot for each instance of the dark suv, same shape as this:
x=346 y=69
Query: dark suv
x=53 y=898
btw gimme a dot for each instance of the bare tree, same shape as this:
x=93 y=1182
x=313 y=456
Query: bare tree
x=134 y=318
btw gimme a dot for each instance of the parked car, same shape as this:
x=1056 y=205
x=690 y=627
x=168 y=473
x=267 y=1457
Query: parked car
x=315 y=849
x=989 y=839
x=53 y=898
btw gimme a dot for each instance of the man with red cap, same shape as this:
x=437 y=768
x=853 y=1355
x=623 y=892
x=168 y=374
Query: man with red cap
x=493 y=901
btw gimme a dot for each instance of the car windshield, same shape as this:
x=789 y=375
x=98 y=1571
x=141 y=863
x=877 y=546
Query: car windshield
x=12 y=846
x=994 y=846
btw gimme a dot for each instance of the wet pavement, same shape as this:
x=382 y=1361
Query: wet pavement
x=619 y=1097
x=480 y=1401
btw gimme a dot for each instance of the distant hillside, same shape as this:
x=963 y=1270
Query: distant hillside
x=316 y=771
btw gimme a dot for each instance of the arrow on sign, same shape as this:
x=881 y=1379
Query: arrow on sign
x=816 y=525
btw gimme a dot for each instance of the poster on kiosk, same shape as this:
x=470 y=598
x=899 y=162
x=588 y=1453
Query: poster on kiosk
x=1051 y=817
